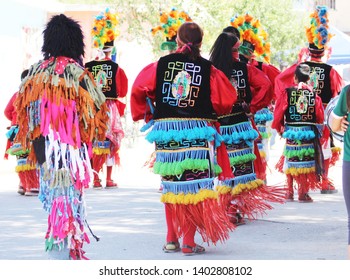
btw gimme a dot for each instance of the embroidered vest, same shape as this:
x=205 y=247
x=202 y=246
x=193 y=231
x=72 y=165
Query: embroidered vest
x=301 y=106
x=239 y=78
x=323 y=71
x=109 y=69
x=183 y=88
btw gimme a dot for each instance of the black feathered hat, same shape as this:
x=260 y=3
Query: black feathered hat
x=63 y=37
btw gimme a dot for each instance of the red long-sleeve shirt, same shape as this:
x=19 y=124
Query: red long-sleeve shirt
x=10 y=112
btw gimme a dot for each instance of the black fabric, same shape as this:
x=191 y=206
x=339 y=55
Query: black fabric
x=110 y=68
x=240 y=80
x=39 y=149
x=323 y=71
x=292 y=115
x=183 y=88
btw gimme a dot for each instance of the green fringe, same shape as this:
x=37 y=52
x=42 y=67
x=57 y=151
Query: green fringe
x=177 y=168
x=242 y=159
x=299 y=153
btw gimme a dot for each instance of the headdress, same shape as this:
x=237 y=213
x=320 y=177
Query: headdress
x=104 y=30
x=253 y=37
x=170 y=23
x=317 y=33
x=63 y=37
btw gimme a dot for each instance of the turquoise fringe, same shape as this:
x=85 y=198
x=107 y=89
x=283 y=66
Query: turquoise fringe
x=244 y=179
x=174 y=130
x=181 y=156
x=263 y=115
x=187 y=187
x=300 y=164
x=234 y=134
x=298 y=133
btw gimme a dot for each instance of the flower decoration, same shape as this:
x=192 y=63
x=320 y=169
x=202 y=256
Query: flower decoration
x=169 y=24
x=253 y=36
x=104 y=29
x=317 y=33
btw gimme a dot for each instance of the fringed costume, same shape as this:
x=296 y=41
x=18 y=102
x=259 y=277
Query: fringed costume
x=114 y=84
x=299 y=118
x=247 y=192
x=27 y=172
x=327 y=80
x=60 y=113
x=187 y=96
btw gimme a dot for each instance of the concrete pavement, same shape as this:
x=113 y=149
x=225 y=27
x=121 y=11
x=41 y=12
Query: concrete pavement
x=131 y=226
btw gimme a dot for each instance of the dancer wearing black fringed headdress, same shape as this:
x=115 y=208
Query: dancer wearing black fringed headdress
x=60 y=113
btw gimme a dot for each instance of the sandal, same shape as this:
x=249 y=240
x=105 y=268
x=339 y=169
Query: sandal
x=305 y=198
x=110 y=184
x=97 y=184
x=189 y=250
x=171 y=247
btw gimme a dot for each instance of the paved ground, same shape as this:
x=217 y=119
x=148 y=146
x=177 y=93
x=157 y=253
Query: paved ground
x=130 y=221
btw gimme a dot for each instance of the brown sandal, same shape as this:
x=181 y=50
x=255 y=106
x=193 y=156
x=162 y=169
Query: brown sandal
x=305 y=198
x=189 y=250
x=171 y=247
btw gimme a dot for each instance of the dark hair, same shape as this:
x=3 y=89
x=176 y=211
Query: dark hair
x=191 y=35
x=302 y=72
x=63 y=37
x=24 y=74
x=233 y=30
x=221 y=52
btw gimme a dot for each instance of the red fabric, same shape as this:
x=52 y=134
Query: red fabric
x=271 y=72
x=10 y=112
x=223 y=159
x=223 y=95
x=261 y=88
x=171 y=234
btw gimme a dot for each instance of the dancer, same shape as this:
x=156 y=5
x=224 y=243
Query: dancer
x=255 y=50
x=299 y=117
x=181 y=95
x=114 y=83
x=27 y=172
x=246 y=193
x=327 y=80
x=60 y=111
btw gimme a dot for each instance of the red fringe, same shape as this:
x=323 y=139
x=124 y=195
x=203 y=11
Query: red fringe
x=208 y=217
x=279 y=165
x=307 y=182
x=335 y=157
x=256 y=202
x=29 y=179
x=98 y=161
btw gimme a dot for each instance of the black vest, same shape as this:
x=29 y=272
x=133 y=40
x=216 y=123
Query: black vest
x=301 y=106
x=110 y=68
x=323 y=71
x=183 y=88
x=239 y=78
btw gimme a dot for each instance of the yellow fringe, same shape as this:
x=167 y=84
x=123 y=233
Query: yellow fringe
x=336 y=149
x=297 y=171
x=25 y=167
x=101 y=151
x=187 y=199
x=223 y=189
x=247 y=187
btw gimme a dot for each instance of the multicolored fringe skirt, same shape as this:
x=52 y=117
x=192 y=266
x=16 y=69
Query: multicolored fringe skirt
x=248 y=194
x=300 y=156
x=184 y=158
